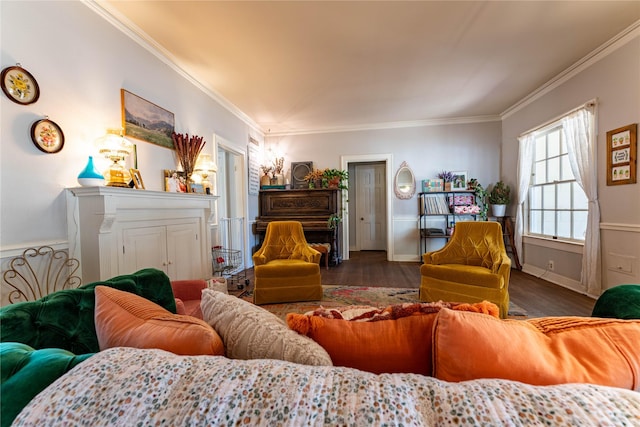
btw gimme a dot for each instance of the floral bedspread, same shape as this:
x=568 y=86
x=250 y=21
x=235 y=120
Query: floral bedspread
x=128 y=387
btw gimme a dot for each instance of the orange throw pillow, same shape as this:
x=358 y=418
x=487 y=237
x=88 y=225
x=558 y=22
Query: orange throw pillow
x=543 y=351
x=124 y=319
x=385 y=346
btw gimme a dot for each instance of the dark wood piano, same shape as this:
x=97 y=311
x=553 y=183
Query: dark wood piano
x=312 y=207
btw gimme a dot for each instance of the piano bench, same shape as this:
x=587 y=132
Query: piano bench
x=324 y=249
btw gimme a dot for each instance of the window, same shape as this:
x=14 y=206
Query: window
x=557 y=205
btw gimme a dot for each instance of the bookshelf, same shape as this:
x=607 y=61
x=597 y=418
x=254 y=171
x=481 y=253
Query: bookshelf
x=438 y=213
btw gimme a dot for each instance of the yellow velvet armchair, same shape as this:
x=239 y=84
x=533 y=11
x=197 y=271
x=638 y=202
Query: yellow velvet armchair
x=473 y=266
x=286 y=269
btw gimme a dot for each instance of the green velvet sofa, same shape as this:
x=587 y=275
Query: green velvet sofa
x=41 y=340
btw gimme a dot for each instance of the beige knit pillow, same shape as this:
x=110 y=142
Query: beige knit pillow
x=251 y=332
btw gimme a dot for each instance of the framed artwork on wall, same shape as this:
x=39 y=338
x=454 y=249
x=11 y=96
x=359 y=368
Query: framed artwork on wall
x=47 y=136
x=19 y=85
x=622 y=155
x=144 y=120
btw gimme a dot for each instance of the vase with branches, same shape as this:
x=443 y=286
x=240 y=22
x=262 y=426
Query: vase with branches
x=187 y=150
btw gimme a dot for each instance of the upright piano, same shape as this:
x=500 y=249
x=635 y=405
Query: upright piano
x=312 y=207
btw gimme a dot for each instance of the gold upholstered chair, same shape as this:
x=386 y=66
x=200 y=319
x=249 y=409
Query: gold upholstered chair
x=473 y=266
x=286 y=269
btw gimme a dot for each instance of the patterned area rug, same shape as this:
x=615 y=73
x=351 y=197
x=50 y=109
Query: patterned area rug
x=337 y=296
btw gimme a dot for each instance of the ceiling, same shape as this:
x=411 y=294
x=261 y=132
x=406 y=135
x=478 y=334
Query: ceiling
x=316 y=66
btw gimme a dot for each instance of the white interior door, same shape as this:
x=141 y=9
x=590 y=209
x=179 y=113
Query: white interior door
x=371 y=206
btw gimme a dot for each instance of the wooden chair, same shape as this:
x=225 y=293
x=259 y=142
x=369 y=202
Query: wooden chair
x=39 y=272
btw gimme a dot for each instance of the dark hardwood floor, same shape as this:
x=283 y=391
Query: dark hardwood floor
x=538 y=297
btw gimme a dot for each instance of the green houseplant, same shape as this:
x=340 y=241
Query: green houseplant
x=499 y=197
x=481 y=197
x=335 y=178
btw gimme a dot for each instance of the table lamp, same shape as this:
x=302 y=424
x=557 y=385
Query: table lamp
x=116 y=148
x=204 y=167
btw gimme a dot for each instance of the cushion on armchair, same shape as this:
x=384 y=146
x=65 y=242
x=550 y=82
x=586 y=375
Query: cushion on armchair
x=65 y=319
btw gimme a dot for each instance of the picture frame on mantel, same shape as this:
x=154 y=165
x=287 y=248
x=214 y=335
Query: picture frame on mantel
x=622 y=155
x=146 y=121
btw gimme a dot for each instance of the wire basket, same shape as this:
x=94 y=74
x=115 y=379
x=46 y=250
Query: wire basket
x=225 y=261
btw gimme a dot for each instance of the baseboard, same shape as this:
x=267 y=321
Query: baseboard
x=556 y=279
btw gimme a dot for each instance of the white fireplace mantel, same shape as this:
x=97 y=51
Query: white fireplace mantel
x=97 y=217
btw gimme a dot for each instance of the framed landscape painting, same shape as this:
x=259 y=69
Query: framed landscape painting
x=144 y=120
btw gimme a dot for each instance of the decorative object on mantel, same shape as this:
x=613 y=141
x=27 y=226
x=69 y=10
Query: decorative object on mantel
x=47 y=136
x=187 y=150
x=144 y=120
x=205 y=167
x=447 y=177
x=499 y=197
x=622 y=155
x=136 y=177
x=116 y=148
x=19 y=85
x=175 y=181
x=90 y=177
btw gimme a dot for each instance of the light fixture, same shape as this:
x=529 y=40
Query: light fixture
x=116 y=148
x=204 y=167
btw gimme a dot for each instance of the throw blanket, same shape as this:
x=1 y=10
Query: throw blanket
x=126 y=387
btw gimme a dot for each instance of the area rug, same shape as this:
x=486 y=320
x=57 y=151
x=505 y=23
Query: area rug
x=337 y=296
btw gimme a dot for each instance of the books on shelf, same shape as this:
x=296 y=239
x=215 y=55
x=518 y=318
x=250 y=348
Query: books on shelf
x=435 y=204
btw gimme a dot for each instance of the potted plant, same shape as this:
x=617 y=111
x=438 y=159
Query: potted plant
x=447 y=177
x=314 y=178
x=481 y=197
x=335 y=178
x=499 y=197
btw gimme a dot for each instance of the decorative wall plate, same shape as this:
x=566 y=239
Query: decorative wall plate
x=19 y=85
x=47 y=136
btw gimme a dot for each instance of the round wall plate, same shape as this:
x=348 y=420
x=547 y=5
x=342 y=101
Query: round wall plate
x=19 y=85
x=47 y=136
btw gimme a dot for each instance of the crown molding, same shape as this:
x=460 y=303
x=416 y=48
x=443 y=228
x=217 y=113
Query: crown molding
x=390 y=125
x=128 y=28
x=604 y=50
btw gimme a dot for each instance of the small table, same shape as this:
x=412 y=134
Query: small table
x=324 y=249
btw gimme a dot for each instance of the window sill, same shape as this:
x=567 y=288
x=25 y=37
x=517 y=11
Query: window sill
x=563 y=245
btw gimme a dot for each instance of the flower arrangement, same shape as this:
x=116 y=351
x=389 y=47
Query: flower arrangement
x=446 y=176
x=314 y=175
x=500 y=194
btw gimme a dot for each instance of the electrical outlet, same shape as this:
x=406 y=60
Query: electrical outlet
x=550 y=265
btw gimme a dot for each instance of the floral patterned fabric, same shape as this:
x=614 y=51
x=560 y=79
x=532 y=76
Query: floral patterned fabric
x=126 y=387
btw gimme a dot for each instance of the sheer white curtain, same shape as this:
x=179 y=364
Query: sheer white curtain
x=579 y=133
x=525 y=164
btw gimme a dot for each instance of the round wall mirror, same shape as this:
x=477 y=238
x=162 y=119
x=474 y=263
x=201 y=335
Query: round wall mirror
x=404 y=183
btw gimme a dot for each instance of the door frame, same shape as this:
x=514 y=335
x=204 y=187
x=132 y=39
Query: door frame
x=229 y=146
x=364 y=158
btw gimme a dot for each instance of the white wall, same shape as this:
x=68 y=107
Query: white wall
x=615 y=82
x=81 y=61
x=472 y=147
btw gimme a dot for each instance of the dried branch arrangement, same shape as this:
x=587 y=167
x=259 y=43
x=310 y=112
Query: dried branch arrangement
x=187 y=150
